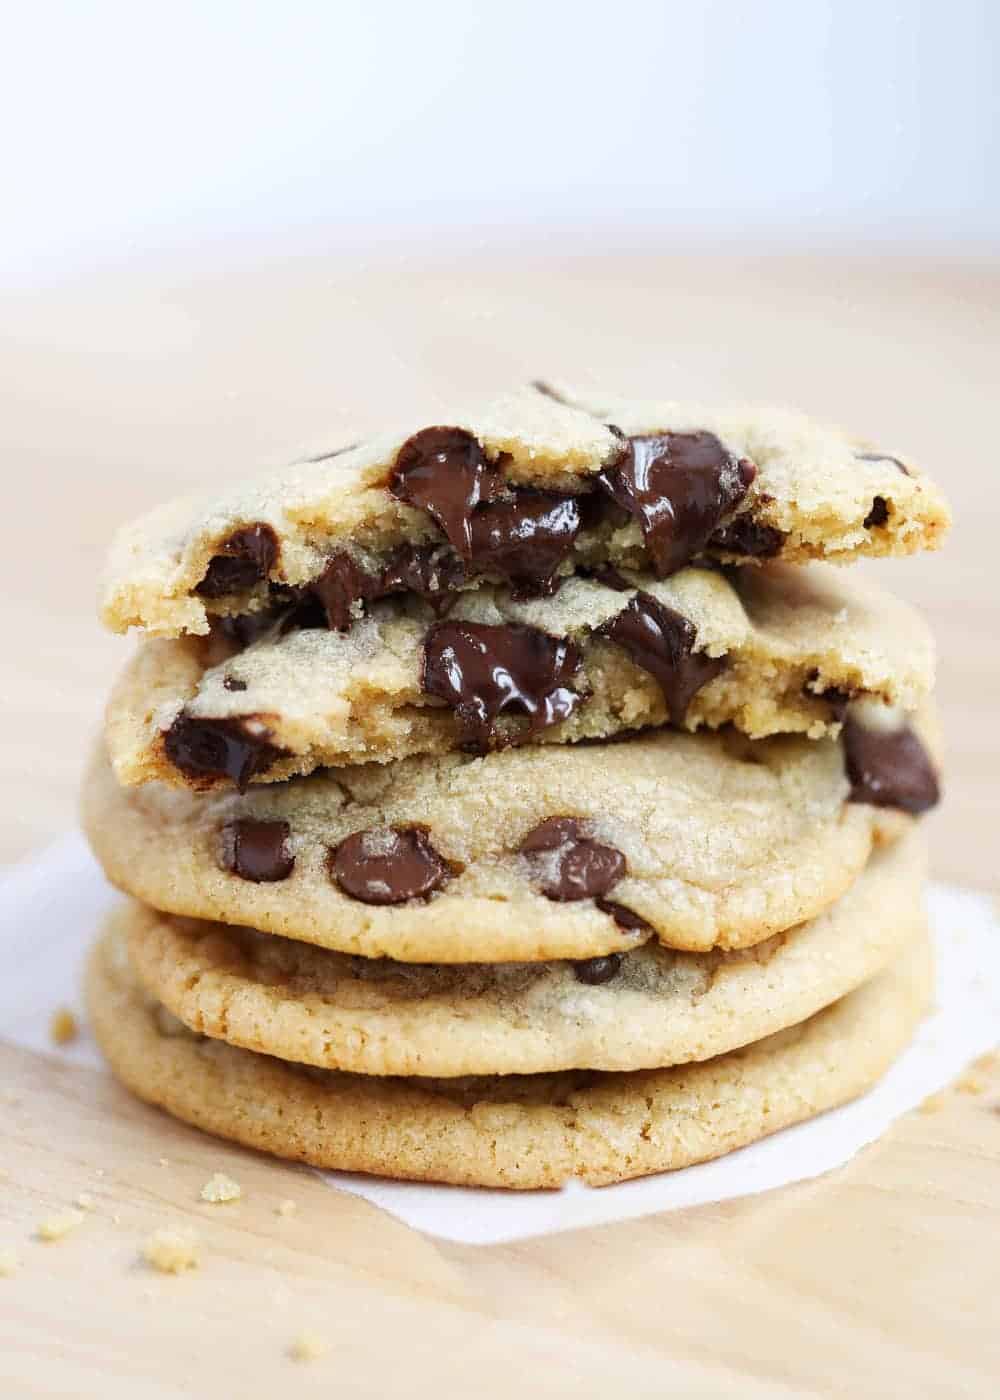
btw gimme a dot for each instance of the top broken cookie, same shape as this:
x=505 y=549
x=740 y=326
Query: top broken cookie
x=523 y=493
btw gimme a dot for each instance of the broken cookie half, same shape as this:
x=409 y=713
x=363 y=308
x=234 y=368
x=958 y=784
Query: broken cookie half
x=775 y=650
x=522 y=493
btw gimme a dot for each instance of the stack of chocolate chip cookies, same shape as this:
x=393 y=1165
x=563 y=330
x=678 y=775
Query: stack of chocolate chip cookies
x=521 y=797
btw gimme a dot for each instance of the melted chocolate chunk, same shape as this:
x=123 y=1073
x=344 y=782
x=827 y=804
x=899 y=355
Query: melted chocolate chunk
x=388 y=866
x=424 y=570
x=569 y=865
x=889 y=768
x=525 y=538
x=878 y=514
x=342 y=584
x=233 y=683
x=444 y=471
x=221 y=748
x=748 y=537
x=661 y=641
x=881 y=457
x=624 y=918
x=485 y=671
x=594 y=972
x=247 y=556
x=257 y=851
x=678 y=486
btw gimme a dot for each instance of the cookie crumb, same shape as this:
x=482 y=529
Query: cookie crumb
x=8 y=1263
x=308 y=1346
x=970 y=1084
x=221 y=1188
x=86 y=1201
x=171 y=1251
x=933 y=1103
x=57 y=1227
x=164 y=1161
x=286 y=1208
x=63 y=1026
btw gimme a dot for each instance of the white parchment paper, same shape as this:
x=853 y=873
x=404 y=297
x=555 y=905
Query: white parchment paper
x=50 y=908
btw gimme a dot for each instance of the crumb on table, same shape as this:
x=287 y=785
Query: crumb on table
x=8 y=1262
x=57 y=1227
x=307 y=1346
x=63 y=1026
x=221 y=1187
x=287 y=1207
x=171 y=1251
x=86 y=1201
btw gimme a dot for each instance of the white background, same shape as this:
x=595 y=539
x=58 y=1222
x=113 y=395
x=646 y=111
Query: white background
x=130 y=128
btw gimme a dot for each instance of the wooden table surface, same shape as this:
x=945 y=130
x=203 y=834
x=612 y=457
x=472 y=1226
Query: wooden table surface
x=878 y=1279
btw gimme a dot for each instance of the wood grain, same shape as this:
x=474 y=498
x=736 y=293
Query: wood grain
x=880 y=1279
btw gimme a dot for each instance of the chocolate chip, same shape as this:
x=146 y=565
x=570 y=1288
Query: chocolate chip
x=749 y=537
x=624 y=918
x=257 y=851
x=889 y=768
x=661 y=641
x=445 y=472
x=233 y=683
x=881 y=457
x=678 y=486
x=342 y=584
x=594 y=972
x=878 y=514
x=425 y=570
x=484 y=671
x=221 y=748
x=247 y=556
x=525 y=538
x=569 y=865
x=388 y=865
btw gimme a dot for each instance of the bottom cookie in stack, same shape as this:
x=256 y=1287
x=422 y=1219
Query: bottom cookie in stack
x=515 y=1075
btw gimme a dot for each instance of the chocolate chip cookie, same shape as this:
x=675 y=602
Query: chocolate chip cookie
x=515 y=1131
x=523 y=492
x=554 y=851
x=640 y=1009
x=775 y=650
